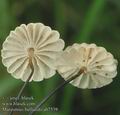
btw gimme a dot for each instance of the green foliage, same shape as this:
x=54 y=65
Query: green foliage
x=7 y=85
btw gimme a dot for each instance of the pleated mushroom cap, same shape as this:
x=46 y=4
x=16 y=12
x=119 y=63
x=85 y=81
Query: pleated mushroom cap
x=100 y=67
x=34 y=41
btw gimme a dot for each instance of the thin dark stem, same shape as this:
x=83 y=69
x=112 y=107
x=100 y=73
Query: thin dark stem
x=23 y=87
x=54 y=91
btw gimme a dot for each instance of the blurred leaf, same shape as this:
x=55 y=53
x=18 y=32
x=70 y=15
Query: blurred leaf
x=90 y=20
x=7 y=85
x=6 y=18
x=87 y=99
x=67 y=99
x=37 y=90
x=60 y=16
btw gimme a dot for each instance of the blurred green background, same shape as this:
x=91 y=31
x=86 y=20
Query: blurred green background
x=91 y=21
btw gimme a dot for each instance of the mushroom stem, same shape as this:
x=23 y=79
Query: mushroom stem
x=24 y=85
x=55 y=91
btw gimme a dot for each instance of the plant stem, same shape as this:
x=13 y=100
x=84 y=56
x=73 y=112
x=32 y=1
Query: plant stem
x=55 y=91
x=23 y=87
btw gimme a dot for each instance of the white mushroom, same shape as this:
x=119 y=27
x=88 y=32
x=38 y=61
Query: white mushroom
x=100 y=67
x=33 y=43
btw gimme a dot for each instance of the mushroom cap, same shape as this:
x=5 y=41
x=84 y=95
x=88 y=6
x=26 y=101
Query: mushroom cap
x=34 y=41
x=100 y=65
